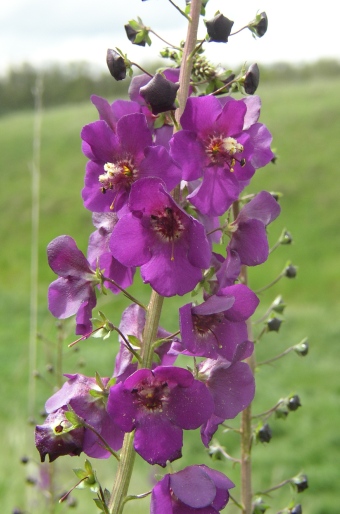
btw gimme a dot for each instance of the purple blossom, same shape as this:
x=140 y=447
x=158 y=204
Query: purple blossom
x=118 y=159
x=99 y=254
x=76 y=392
x=232 y=387
x=159 y=404
x=74 y=291
x=132 y=323
x=249 y=236
x=111 y=113
x=170 y=246
x=194 y=489
x=215 y=145
x=217 y=326
x=54 y=439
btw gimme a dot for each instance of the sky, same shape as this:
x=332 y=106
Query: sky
x=43 y=32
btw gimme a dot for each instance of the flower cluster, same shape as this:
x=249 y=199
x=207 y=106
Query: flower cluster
x=157 y=194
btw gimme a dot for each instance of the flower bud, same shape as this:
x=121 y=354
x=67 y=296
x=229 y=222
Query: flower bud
x=252 y=79
x=278 y=305
x=291 y=271
x=301 y=483
x=264 y=434
x=160 y=94
x=259 y=506
x=294 y=402
x=131 y=34
x=116 y=64
x=274 y=324
x=219 y=28
x=285 y=238
x=259 y=26
x=297 y=509
x=302 y=348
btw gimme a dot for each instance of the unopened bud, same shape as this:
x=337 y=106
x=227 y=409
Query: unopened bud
x=116 y=64
x=297 y=509
x=251 y=79
x=301 y=482
x=219 y=28
x=278 y=305
x=264 y=434
x=302 y=348
x=291 y=271
x=260 y=25
x=160 y=94
x=294 y=402
x=274 y=324
x=132 y=35
x=259 y=506
x=286 y=238
x=24 y=460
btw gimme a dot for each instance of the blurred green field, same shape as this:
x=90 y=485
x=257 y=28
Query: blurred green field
x=305 y=122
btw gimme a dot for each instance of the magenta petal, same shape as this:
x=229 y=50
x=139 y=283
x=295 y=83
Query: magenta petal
x=245 y=302
x=134 y=134
x=214 y=304
x=65 y=258
x=190 y=407
x=200 y=114
x=121 y=408
x=193 y=487
x=129 y=243
x=231 y=120
x=157 y=440
x=102 y=140
x=219 y=189
x=160 y=498
x=263 y=207
x=250 y=242
x=183 y=144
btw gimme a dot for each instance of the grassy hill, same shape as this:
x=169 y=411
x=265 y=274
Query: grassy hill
x=304 y=119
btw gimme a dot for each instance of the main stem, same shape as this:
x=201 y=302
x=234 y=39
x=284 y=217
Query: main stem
x=246 y=418
x=153 y=313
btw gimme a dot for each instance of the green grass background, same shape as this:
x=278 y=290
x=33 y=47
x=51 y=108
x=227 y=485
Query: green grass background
x=304 y=119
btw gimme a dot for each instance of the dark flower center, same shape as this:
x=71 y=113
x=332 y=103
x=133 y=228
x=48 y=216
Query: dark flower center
x=167 y=224
x=205 y=325
x=151 y=396
x=222 y=151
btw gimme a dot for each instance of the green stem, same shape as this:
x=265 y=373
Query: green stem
x=189 y=47
x=246 y=417
x=122 y=481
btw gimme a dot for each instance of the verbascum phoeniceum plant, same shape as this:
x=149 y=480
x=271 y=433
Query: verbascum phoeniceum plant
x=165 y=181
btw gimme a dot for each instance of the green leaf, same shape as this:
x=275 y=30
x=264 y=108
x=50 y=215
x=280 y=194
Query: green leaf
x=99 y=504
x=134 y=341
x=80 y=473
x=73 y=419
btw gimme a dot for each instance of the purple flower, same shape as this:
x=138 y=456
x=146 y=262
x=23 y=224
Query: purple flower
x=249 y=236
x=111 y=113
x=133 y=323
x=215 y=145
x=76 y=392
x=170 y=246
x=74 y=291
x=232 y=387
x=118 y=159
x=217 y=326
x=195 y=488
x=54 y=438
x=158 y=404
x=99 y=254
